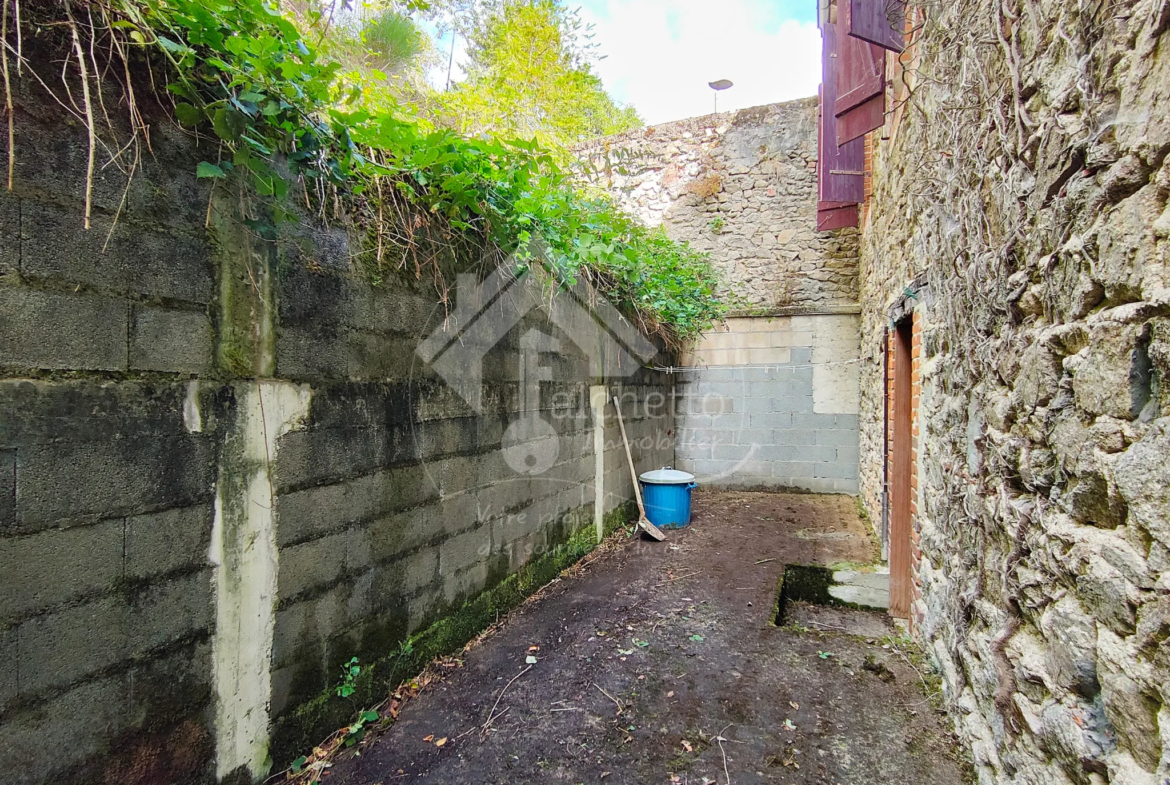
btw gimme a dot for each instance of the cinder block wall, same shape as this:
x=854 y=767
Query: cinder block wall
x=224 y=471
x=765 y=402
x=772 y=403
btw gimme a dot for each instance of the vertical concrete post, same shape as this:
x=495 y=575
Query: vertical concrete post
x=245 y=329
x=243 y=551
x=597 y=401
x=244 y=560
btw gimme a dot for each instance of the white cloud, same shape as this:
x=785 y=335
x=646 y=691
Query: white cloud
x=660 y=54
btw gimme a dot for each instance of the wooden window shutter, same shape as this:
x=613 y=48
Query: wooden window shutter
x=861 y=84
x=857 y=122
x=840 y=175
x=880 y=22
x=830 y=218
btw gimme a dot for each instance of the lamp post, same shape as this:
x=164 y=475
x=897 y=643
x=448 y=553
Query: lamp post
x=721 y=84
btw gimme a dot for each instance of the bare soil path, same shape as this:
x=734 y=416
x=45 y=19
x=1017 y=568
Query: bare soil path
x=660 y=663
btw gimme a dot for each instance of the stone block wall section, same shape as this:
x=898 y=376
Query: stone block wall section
x=224 y=471
x=1035 y=255
x=741 y=186
x=772 y=403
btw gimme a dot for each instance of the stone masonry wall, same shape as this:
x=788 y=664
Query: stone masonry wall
x=763 y=402
x=1020 y=209
x=225 y=471
x=741 y=186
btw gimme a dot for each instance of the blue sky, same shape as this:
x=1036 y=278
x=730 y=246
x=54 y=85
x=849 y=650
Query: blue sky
x=660 y=54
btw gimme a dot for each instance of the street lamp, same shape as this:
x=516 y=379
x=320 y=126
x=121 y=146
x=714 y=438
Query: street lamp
x=721 y=84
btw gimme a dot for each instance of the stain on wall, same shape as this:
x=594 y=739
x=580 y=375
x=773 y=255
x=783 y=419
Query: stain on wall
x=225 y=471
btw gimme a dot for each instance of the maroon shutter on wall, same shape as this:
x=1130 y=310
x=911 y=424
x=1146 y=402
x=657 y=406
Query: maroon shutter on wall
x=836 y=217
x=861 y=76
x=859 y=121
x=839 y=167
x=881 y=22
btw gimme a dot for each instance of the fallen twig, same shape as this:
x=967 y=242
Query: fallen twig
x=764 y=561
x=491 y=714
x=719 y=738
x=616 y=702
x=492 y=720
x=925 y=686
x=678 y=578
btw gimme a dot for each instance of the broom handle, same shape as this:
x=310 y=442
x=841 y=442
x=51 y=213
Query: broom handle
x=629 y=458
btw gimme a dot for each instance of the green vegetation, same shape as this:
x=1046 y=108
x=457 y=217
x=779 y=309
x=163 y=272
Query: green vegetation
x=349 y=673
x=392 y=41
x=315 y=718
x=528 y=78
x=291 y=121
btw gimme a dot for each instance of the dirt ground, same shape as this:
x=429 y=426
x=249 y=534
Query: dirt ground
x=659 y=663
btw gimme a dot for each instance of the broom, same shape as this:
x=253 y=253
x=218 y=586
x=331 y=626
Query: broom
x=643 y=522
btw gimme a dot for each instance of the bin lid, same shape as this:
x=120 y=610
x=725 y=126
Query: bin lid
x=666 y=476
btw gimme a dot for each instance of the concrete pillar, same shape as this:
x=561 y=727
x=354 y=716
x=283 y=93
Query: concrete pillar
x=598 y=398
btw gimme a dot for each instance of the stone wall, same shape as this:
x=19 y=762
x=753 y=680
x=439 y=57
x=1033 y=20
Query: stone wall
x=225 y=469
x=772 y=403
x=763 y=402
x=1020 y=210
x=741 y=186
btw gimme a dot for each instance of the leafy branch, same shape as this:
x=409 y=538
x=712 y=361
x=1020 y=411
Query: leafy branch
x=289 y=121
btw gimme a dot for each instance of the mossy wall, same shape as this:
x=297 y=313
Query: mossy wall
x=176 y=388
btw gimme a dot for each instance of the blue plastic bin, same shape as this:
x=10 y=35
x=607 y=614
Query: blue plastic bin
x=666 y=493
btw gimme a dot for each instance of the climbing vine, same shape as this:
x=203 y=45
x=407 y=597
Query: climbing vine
x=292 y=126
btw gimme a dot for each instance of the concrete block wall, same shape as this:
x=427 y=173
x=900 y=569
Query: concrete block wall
x=224 y=470
x=106 y=497
x=772 y=403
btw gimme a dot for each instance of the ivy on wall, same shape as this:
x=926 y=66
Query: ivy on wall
x=292 y=126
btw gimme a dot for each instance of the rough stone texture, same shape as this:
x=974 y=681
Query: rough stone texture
x=126 y=374
x=741 y=186
x=772 y=403
x=763 y=402
x=1033 y=238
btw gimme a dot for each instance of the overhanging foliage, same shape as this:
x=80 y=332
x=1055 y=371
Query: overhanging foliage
x=290 y=123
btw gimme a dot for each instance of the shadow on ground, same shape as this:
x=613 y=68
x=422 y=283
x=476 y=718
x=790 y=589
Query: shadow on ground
x=659 y=663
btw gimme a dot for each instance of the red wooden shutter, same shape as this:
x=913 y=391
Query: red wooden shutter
x=881 y=22
x=859 y=121
x=861 y=76
x=861 y=72
x=836 y=217
x=839 y=167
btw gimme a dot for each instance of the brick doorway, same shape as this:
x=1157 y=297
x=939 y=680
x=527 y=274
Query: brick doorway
x=900 y=466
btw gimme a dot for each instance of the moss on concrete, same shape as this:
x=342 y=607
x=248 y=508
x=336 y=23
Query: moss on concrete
x=806 y=583
x=245 y=342
x=297 y=731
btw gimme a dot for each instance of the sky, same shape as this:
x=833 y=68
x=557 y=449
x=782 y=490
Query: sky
x=660 y=54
